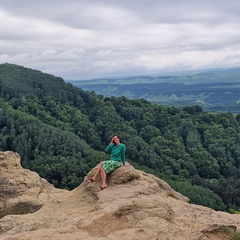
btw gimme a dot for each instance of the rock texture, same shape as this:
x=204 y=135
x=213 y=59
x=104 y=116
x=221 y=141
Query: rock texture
x=134 y=206
x=21 y=191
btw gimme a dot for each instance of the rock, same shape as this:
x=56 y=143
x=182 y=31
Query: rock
x=21 y=191
x=134 y=206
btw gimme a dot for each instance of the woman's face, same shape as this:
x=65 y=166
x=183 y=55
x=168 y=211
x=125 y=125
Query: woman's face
x=116 y=139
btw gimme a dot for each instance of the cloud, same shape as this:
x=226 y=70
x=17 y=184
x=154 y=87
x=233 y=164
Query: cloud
x=100 y=38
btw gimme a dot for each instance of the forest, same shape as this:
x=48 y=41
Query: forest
x=60 y=131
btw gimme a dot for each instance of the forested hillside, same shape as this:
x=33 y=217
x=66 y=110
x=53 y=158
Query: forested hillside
x=60 y=131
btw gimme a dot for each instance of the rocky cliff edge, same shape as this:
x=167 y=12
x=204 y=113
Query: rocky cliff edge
x=134 y=206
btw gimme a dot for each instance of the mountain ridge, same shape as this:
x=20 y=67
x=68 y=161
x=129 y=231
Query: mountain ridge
x=205 y=89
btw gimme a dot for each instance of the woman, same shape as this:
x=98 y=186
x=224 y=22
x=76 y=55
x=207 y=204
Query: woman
x=117 y=159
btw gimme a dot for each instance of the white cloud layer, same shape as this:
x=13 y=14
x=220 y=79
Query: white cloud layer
x=78 y=39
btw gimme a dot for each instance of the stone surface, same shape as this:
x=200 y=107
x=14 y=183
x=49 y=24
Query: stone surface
x=21 y=191
x=134 y=206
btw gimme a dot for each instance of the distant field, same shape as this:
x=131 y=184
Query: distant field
x=217 y=90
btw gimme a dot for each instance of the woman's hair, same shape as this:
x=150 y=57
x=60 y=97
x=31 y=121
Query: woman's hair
x=115 y=135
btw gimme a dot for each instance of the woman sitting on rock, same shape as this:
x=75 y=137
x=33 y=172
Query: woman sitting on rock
x=117 y=159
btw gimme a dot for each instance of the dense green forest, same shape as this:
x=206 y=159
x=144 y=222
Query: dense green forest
x=60 y=131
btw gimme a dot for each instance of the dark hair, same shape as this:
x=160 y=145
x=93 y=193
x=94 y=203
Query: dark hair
x=115 y=135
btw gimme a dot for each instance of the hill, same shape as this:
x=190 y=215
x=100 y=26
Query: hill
x=135 y=206
x=60 y=132
x=216 y=90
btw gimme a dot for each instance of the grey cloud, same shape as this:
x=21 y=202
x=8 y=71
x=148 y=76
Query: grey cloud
x=81 y=39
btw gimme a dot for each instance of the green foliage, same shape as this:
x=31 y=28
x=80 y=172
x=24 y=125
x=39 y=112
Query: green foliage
x=232 y=233
x=61 y=131
x=197 y=194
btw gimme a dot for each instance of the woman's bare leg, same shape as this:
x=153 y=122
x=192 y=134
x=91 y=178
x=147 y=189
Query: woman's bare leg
x=104 y=178
x=94 y=178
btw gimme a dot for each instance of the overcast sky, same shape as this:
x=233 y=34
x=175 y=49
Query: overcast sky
x=87 y=39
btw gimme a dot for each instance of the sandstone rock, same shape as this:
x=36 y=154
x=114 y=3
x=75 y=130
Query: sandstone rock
x=21 y=191
x=134 y=206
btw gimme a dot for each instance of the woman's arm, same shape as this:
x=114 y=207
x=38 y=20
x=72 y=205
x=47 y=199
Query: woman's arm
x=123 y=152
x=108 y=149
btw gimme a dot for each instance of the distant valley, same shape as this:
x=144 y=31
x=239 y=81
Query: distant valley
x=216 y=90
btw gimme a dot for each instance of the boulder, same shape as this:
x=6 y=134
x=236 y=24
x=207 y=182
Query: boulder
x=134 y=206
x=21 y=191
